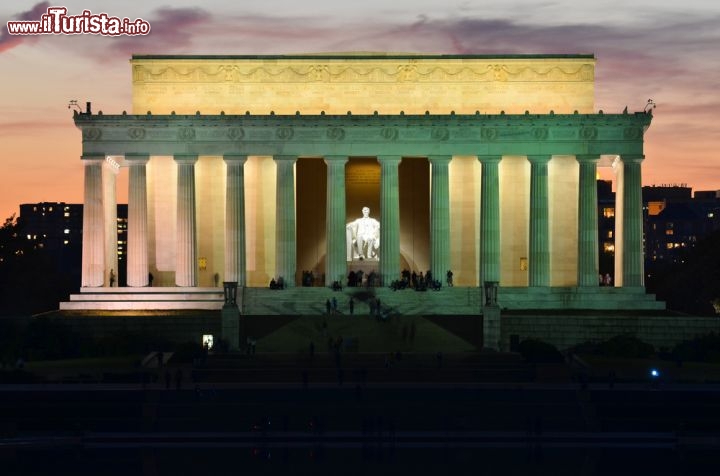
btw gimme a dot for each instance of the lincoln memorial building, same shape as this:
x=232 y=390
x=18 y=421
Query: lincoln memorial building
x=247 y=169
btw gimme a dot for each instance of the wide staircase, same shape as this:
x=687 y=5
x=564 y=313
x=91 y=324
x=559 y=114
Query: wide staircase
x=312 y=301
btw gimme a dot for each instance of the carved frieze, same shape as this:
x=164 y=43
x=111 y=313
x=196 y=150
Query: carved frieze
x=374 y=72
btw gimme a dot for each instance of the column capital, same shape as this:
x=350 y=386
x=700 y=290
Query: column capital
x=587 y=157
x=137 y=159
x=335 y=159
x=389 y=159
x=440 y=158
x=489 y=159
x=185 y=158
x=632 y=158
x=539 y=159
x=285 y=158
x=88 y=159
x=235 y=158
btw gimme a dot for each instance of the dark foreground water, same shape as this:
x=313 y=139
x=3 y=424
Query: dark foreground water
x=371 y=459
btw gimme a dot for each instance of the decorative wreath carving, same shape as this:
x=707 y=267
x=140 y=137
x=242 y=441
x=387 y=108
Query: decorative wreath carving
x=336 y=133
x=440 y=134
x=588 y=133
x=488 y=133
x=136 y=133
x=186 y=133
x=284 y=133
x=540 y=133
x=92 y=133
x=389 y=133
x=236 y=133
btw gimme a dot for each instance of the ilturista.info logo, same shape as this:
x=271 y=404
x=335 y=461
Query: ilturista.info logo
x=57 y=22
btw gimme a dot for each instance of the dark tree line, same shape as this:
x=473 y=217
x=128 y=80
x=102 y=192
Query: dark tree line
x=32 y=280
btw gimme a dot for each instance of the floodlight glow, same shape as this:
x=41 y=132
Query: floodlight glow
x=654 y=373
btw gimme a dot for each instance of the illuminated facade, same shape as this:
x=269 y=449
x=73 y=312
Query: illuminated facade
x=243 y=169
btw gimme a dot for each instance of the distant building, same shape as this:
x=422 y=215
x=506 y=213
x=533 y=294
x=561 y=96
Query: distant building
x=673 y=221
x=56 y=228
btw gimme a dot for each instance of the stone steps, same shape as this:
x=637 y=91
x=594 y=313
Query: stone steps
x=145 y=298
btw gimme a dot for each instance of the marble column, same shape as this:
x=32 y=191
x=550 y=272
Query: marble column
x=389 y=219
x=588 y=267
x=110 y=170
x=93 y=243
x=633 y=273
x=235 y=259
x=285 y=241
x=439 y=216
x=137 y=231
x=186 y=245
x=335 y=260
x=539 y=265
x=490 y=219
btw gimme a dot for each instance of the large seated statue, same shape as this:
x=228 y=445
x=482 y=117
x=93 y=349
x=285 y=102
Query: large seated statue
x=363 y=237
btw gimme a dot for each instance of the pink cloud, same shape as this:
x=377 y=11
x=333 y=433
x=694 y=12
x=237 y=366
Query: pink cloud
x=8 y=41
x=173 y=30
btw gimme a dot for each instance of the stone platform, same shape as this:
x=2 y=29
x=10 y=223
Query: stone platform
x=145 y=298
x=311 y=300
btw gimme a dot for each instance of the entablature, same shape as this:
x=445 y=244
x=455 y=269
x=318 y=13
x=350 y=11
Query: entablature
x=364 y=135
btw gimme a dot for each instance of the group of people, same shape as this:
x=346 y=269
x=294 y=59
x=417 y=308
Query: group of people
x=605 y=280
x=374 y=307
x=277 y=284
x=331 y=306
x=420 y=282
x=308 y=279
x=358 y=279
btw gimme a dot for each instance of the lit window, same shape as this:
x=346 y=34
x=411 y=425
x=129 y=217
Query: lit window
x=668 y=232
x=66 y=214
x=608 y=212
x=66 y=242
x=609 y=247
x=711 y=214
x=610 y=234
x=29 y=237
x=669 y=246
x=66 y=231
x=49 y=209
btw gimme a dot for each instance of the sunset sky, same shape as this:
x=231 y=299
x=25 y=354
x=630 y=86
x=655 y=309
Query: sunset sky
x=670 y=53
